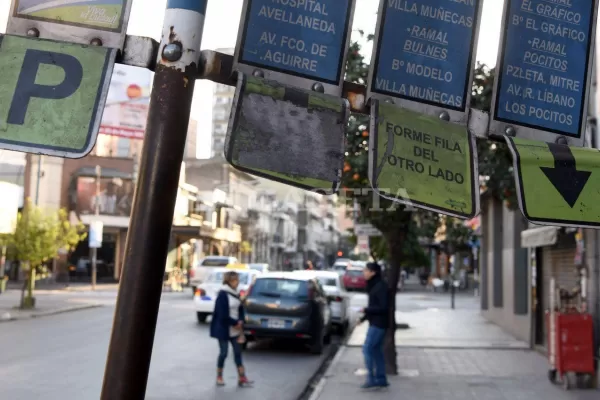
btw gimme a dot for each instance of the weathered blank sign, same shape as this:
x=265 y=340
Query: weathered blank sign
x=286 y=134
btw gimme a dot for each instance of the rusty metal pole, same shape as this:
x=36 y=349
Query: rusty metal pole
x=130 y=350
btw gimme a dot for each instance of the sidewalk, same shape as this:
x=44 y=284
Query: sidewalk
x=438 y=326
x=447 y=354
x=46 y=304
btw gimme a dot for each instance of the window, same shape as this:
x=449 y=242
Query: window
x=215 y=262
x=327 y=281
x=218 y=277
x=123 y=146
x=280 y=287
x=354 y=273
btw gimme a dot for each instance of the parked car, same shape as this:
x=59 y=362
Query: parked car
x=354 y=279
x=205 y=295
x=288 y=305
x=338 y=296
x=205 y=266
x=340 y=265
x=262 y=268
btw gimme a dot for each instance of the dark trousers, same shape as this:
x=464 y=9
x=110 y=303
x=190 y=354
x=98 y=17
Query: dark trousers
x=224 y=347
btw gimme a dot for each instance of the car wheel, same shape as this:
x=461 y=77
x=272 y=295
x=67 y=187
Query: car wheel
x=327 y=338
x=343 y=328
x=317 y=346
x=201 y=317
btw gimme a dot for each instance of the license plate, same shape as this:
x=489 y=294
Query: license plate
x=354 y=280
x=205 y=298
x=276 y=323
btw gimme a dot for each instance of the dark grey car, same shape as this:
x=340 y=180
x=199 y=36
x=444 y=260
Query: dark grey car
x=288 y=306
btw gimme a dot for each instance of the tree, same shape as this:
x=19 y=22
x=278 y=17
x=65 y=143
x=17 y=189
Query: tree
x=495 y=160
x=38 y=237
x=401 y=227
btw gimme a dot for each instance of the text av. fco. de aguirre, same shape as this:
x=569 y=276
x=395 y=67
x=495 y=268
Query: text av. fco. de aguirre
x=286 y=51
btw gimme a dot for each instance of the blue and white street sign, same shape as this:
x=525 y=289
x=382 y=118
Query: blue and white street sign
x=304 y=39
x=424 y=51
x=544 y=67
x=95 y=234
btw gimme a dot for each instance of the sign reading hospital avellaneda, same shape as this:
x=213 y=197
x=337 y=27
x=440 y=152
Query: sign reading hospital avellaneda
x=422 y=161
x=99 y=14
x=52 y=95
x=424 y=51
x=544 y=65
x=303 y=38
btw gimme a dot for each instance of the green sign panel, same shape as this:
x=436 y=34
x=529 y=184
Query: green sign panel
x=102 y=14
x=52 y=95
x=287 y=134
x=557 y=184
x=423 y=161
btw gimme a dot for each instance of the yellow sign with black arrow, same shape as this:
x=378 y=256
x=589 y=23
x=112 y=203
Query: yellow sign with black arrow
x=557 y=184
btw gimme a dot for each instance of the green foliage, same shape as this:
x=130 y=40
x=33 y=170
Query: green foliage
x=389 y=217
x=38 y=237
x=495 y=160
x=457 y=233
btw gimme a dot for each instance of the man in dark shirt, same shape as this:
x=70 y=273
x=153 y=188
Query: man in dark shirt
x=377 y=315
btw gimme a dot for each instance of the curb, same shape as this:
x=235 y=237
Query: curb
x=318 y=390
x=8 y=317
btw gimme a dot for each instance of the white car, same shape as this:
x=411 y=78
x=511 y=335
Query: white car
x=205 y=266
x=205 y=295
x=340 y=300
x=262 y=268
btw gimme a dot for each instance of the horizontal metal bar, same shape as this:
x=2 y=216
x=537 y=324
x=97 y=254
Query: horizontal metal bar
x=218 y=67
x=140 y=52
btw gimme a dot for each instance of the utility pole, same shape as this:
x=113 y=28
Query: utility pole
x=94 y=249
x=134 y=325
x=38 y=179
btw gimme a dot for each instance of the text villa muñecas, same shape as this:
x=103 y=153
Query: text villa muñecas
x=421 y=153
x=98 y=15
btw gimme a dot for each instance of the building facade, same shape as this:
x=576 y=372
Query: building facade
x=221 y=108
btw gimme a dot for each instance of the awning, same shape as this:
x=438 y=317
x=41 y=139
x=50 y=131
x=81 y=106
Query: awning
x=539 y=237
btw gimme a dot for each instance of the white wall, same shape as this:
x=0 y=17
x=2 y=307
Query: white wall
x=505 y=317
x=50 y=183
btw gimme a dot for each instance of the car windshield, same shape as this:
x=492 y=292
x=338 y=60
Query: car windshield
x=354 y=272
x=340 y=267
x=326 y=281
x=275 y=287
x=217 y=277
x=215 y=262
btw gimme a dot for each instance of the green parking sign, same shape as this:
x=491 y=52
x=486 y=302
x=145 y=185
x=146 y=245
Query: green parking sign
x=52 y=95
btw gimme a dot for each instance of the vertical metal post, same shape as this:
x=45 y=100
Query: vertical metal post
x=97 y=214
x=134 y=326
x=39 y=177
x=2 y=267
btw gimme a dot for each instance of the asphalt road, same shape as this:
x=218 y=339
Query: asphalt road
x=62 y=357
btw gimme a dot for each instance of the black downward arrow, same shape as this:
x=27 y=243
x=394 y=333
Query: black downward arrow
x=564 y=176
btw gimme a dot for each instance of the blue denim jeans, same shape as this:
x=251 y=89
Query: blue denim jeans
x=374 y=359
x=237 y=352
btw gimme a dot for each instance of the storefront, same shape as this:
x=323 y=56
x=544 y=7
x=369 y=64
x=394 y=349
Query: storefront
x=553 y=253
x=111 y=204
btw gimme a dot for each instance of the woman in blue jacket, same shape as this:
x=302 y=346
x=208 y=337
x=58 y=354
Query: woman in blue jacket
x=226 y=326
